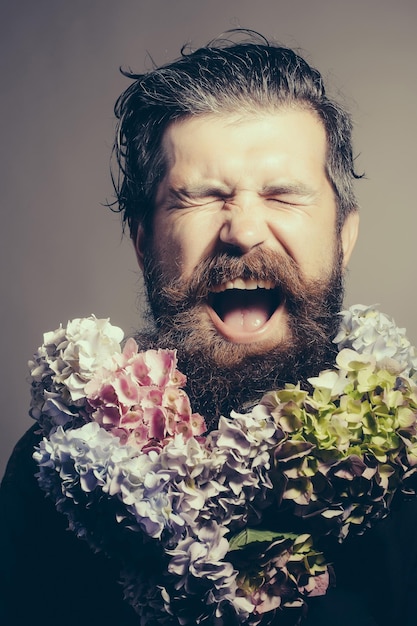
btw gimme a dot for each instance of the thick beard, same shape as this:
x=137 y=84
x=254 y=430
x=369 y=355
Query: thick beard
x=223 y=376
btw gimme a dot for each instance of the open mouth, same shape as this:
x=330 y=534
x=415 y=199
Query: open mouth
x=245 y=306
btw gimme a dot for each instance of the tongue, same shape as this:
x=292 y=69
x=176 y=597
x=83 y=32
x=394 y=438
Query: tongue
x=245 y=310
x=245 y=319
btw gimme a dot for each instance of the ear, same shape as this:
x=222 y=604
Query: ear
x=349 y=235
x=139 y=245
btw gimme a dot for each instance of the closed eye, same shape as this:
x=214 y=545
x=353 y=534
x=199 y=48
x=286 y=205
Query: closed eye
x=196 y=198
x=293 y=194
x=288 y=201
x=283 y=200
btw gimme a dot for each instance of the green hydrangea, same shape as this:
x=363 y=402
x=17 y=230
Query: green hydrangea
x=348 y=445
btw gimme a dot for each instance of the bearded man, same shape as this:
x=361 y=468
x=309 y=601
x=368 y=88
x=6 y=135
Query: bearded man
x=236 y=181
x=237 y=189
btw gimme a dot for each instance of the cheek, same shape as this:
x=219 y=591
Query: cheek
x=322 y=257
x=317 y=256
x=188 y=241
x=312 y=246
x=165 y=248
x=177 y=248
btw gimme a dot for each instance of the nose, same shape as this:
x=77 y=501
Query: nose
x=244 y=226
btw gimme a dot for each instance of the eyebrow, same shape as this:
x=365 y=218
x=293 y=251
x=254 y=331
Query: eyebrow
x=199 y=191
x=297 y=188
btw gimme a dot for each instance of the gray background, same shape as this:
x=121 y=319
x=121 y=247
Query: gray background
x=62 y=255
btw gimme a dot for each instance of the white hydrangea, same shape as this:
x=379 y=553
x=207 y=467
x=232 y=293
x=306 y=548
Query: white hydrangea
x=80 y=456
x=368 y=331
x=91 y=344
x=71 y=355
x=202 y=556
x=64 y=364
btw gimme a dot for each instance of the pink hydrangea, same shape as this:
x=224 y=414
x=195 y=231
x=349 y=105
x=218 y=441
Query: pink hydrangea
x=140 y=399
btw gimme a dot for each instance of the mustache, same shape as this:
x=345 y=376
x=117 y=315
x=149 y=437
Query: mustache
x=260 y=265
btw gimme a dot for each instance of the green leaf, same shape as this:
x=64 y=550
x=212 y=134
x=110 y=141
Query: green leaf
x=251 y=535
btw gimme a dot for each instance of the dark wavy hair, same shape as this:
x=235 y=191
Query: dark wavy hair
x=223 y=77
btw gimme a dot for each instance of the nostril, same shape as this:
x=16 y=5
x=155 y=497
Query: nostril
x=233 y=250
x=242 y=236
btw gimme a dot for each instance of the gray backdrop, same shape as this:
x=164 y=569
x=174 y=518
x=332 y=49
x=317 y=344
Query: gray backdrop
x=62 y=255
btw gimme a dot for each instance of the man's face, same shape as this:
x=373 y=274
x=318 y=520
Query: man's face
x=239 y=190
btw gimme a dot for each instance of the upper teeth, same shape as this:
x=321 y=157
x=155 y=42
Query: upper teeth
x=240 y=283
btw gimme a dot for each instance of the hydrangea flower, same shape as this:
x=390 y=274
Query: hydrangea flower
x=348 y=445
x=82 y=371
x=123 y=446
x=277 y=570
x=368 y=331
x=141 y=401
x=65 y=362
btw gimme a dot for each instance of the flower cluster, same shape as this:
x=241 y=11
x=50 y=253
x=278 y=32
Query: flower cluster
x=204 y=524
x=349 y=445
x=64 y=364
x=141 y=400
x=82 y=371
x=368 y=331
